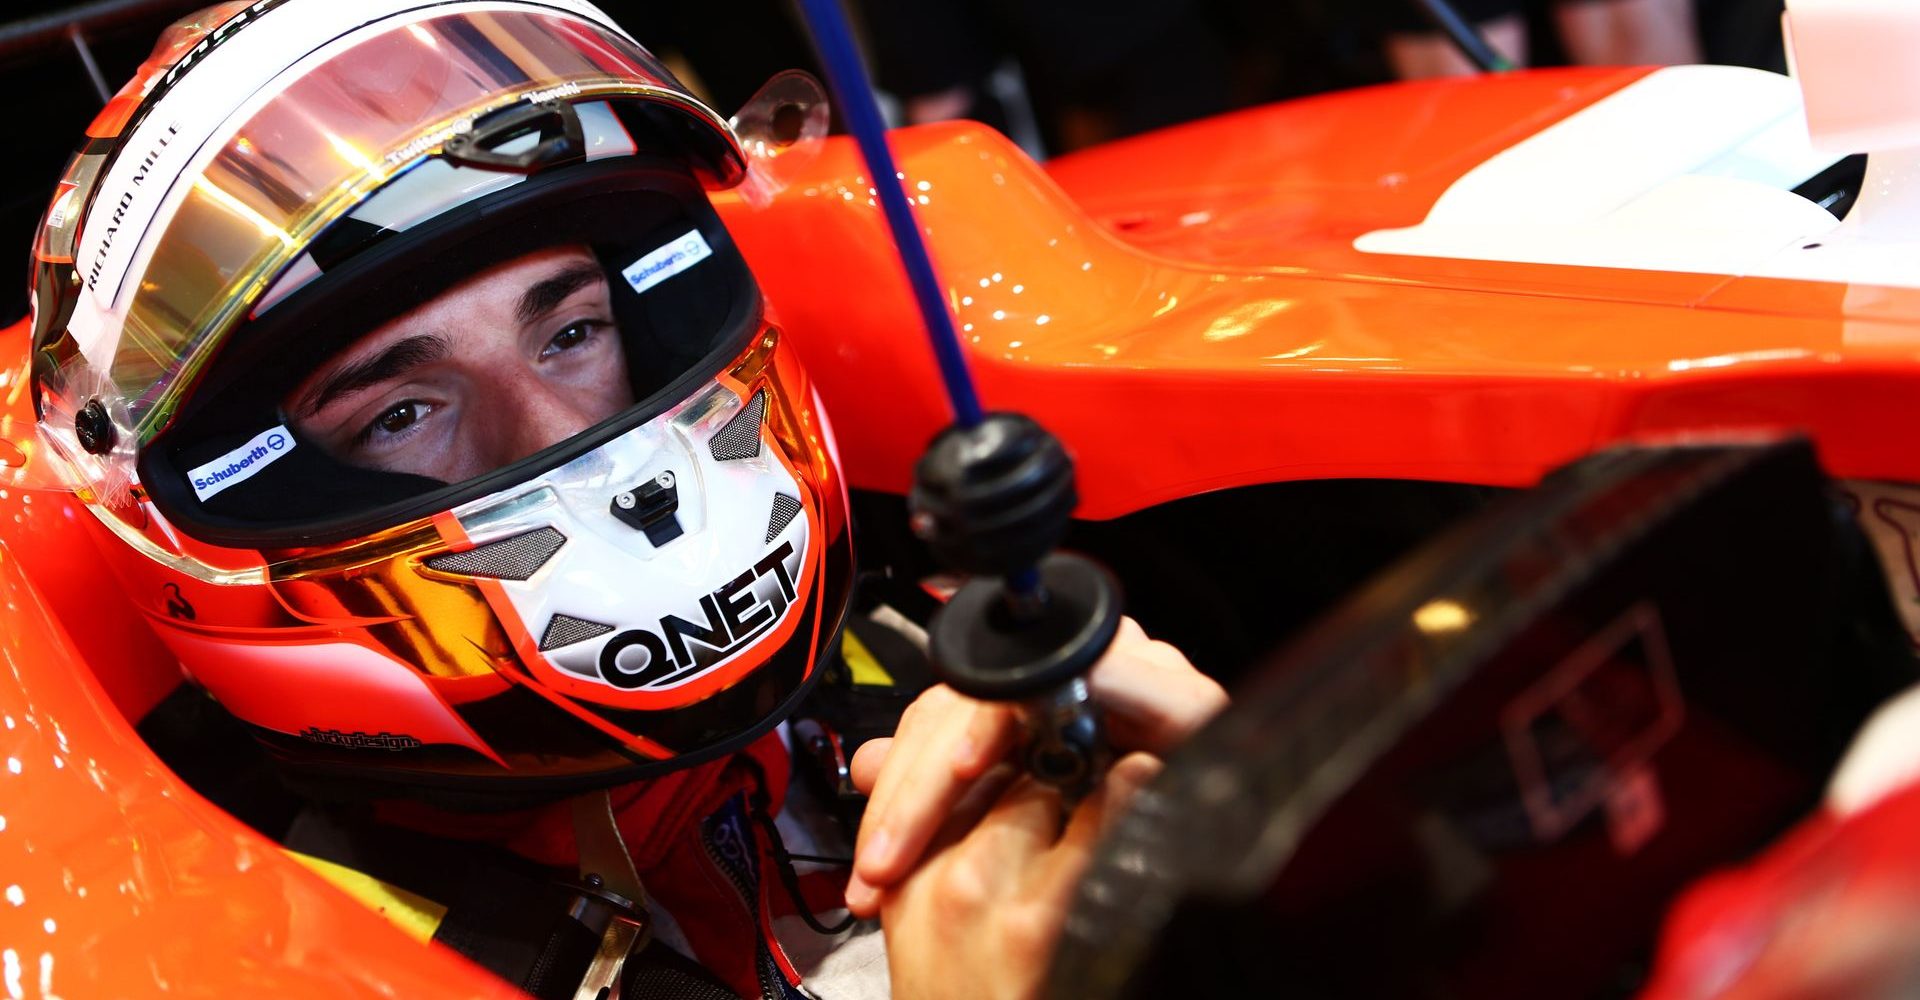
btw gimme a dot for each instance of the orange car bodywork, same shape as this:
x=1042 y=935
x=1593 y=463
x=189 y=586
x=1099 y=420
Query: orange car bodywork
x=1185 y=309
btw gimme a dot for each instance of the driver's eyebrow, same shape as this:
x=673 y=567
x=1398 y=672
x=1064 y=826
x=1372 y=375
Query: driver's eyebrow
x=545 y=295
x=398 y=359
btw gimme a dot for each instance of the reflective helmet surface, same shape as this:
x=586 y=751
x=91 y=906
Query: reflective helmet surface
x=288 y=182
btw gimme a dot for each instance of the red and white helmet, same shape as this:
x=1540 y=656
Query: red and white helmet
x=652 y=588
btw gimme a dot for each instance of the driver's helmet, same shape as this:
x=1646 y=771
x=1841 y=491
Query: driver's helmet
x=439 y=424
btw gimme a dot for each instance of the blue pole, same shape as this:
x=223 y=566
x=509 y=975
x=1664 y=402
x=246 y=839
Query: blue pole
x=853 y=94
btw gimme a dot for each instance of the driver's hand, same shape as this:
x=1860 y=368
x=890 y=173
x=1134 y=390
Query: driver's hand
x=980 y=916
x=1151 y=696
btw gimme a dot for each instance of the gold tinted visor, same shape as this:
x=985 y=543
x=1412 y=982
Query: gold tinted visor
x=338 y=131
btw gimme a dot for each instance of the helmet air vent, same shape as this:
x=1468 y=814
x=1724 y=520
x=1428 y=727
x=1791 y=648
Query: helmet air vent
x=515 y=558
x=741 y=437
x=565 y=630
x=785 y=509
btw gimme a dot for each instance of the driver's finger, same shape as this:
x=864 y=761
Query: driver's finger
x=1151 y=696
x=989 y=738
x=910 y=740
x=913 y=796
x=865 y=899
x=867 y=761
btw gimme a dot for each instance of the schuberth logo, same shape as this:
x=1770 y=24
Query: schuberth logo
x=361 y=741
x=244 y=463
x=240 y=464
x=667 y=261
x=736 y=614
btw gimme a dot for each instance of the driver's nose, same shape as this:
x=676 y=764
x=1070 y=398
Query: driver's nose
x=533 y=415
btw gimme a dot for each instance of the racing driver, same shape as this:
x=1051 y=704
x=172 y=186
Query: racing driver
x=449 y=441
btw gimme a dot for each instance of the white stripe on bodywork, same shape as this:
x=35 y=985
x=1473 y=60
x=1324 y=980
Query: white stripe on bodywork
x=1690 y=168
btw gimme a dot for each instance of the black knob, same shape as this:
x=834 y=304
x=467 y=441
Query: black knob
x=993 y=498
x=94 y=428
x=985 y=650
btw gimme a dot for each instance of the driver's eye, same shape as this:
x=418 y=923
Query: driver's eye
x=396 y=419
x=572 y=337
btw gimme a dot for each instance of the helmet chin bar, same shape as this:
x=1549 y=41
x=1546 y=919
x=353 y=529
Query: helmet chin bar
x=702 y=584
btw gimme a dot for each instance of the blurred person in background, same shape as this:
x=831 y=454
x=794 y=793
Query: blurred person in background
x=1088 y=73
x=1591 y=32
